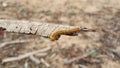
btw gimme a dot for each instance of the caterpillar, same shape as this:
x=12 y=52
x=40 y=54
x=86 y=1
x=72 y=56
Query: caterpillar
x=55 y=35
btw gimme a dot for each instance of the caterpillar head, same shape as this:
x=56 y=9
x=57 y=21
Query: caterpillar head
x=84 y=29
x=53 y=38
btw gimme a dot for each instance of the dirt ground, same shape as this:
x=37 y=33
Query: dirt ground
x=104 y=44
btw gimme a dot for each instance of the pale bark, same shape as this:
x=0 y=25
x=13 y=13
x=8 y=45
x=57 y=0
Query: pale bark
x=30 y=27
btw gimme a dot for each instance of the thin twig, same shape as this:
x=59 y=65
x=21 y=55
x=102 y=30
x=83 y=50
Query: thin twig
x=41 y=54
x=69 y=61
x=44 y=62
x=34 y=59
x=13 y=42
x=25 y=55
x=26 y=65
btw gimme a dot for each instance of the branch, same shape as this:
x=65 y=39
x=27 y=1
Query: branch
x=38 y=28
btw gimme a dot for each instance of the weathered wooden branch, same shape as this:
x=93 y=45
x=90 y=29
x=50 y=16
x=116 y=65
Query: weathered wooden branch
x=36 y=28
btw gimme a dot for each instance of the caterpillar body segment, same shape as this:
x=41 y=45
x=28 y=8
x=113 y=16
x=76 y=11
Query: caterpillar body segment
x=55 y=35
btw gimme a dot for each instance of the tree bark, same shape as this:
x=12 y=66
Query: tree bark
x=30 y=27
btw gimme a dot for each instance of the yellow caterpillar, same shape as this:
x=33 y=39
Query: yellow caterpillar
x=55 y=35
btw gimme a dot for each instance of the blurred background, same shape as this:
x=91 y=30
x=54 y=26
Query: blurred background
x=102 y=15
